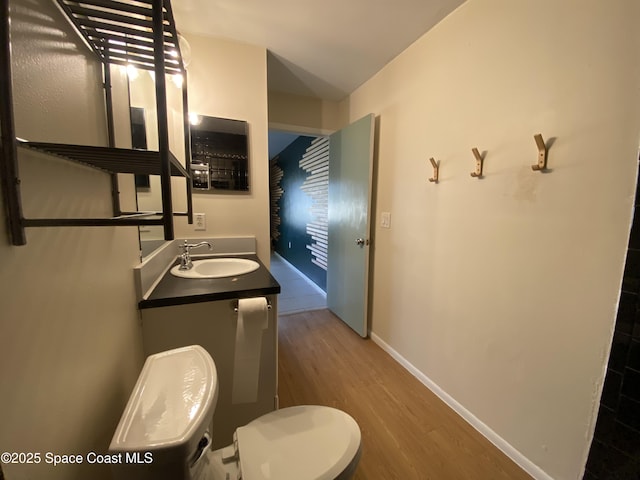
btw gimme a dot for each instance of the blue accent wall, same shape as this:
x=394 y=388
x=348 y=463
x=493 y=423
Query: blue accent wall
x=295 y=213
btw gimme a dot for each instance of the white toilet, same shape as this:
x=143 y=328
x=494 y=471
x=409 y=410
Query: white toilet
x=163 y=433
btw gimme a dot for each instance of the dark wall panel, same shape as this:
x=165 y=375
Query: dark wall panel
x=615 y=450
x=295 y=212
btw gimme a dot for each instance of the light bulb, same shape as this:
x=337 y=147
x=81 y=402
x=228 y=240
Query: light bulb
x=194 y=118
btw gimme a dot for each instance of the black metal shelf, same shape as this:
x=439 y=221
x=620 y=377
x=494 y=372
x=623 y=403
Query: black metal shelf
x=140 y=33
x=109 y=159
x=121 y=31
x=132 y=220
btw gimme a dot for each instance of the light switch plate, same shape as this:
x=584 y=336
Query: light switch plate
x=385 y=219
x=199 y=222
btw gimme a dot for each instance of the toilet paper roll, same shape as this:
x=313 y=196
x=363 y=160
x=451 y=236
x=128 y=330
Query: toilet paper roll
x=253 y=319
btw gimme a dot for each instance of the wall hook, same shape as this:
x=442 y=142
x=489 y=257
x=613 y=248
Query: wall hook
x=479 y=163
x=436 y=169
x=542 y=154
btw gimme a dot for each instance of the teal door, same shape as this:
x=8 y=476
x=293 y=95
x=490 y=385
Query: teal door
x=350 y=178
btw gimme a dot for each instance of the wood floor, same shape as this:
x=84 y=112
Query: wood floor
x=407 y=432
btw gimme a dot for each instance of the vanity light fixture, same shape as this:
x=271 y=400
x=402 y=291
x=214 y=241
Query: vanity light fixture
x=185 y=50
x=194 y=118
x=132 y=72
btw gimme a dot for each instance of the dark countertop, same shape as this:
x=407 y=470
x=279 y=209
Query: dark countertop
x=172 y=290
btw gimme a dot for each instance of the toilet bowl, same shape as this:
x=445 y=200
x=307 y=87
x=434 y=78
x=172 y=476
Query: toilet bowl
x=163 y=433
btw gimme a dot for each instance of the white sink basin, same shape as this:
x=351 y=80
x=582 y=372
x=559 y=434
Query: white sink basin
x=217 y=268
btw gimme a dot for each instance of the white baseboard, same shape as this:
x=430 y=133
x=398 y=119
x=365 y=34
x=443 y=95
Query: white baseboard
x=524 y=463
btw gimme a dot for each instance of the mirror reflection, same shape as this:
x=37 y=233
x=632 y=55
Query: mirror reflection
x=219 y=150
x=151 y=236
x=144 y=135
x=220 y=154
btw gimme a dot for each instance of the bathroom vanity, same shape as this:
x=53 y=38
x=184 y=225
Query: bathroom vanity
x=178 y=312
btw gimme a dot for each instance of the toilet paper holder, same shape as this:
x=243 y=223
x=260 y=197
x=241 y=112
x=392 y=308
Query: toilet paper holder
x=234 y=304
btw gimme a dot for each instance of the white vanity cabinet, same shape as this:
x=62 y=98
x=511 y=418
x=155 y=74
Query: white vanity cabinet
x=213 y=326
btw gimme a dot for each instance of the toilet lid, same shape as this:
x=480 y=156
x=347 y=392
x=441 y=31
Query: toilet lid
x=173 y=395
x=298 y=443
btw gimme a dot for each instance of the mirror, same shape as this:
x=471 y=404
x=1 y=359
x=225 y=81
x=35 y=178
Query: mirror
x=151 y=236
x=144 y=135
x=220 y=154
x=220 y=151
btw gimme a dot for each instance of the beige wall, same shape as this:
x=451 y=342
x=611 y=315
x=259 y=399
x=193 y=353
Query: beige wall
x=70 y=341
x=229 y=80
x=503 y=291
x=305 y=114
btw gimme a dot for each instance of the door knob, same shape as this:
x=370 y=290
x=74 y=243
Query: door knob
x=361 y=242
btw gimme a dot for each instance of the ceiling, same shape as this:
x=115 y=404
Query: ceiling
x=319 y=49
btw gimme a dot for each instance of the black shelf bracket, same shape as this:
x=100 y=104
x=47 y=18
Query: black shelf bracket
x=162 y=117
x=9 y=154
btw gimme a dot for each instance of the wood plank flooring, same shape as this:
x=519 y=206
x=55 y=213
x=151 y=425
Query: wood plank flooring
x=407 y=432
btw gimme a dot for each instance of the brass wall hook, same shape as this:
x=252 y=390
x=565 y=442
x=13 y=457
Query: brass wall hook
x=542 y=154
x=479 y=163
x=436 y=169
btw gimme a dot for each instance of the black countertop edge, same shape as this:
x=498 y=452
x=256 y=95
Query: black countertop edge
x=172 y=290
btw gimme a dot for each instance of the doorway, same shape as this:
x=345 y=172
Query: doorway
x=298 y=170
x=321 y=214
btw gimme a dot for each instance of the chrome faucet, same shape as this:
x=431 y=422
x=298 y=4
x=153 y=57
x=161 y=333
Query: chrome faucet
x=185 y=256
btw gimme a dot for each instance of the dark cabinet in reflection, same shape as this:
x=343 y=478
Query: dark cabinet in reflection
x=220 y=154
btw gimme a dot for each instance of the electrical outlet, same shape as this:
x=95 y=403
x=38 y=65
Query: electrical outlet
x=385 y=220
x=199 y=221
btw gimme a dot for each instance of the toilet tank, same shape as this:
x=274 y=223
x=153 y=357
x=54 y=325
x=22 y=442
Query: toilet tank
x=165 y=424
